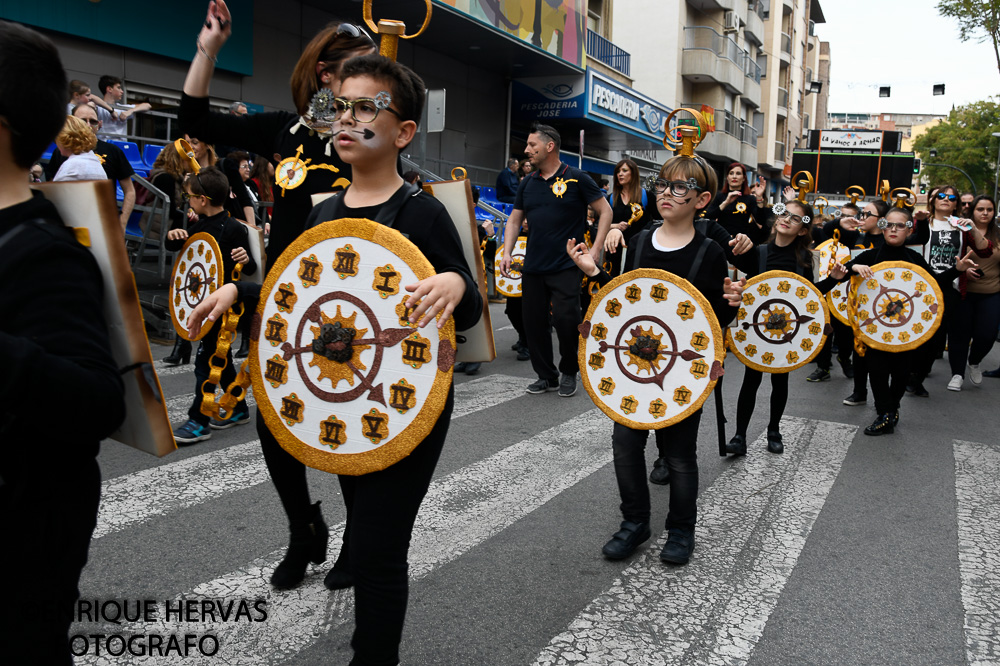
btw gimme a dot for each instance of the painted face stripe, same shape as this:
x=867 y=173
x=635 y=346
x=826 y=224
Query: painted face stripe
x=755 y=518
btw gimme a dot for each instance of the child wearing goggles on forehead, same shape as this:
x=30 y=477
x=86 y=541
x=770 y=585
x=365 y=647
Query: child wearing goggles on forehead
x=685 y=187
x=889 y=371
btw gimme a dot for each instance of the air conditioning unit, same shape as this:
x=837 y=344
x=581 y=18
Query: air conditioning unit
x=731 y=23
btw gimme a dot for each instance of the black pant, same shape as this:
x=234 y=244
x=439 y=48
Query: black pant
x=513 y=311
x=679 y=443
x=381 y=509
x=976 y=319
x=46 y=520
x=844 y=337
x=562 y=291
x=201 y=371
x=860 y=373
x=889 y=373
x=748 y=399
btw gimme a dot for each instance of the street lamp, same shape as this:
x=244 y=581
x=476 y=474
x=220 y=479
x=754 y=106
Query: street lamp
x=996 y=180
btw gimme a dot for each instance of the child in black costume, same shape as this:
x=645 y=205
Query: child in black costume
x=60 y=390
x=685 y=186
x=206 y=192
x=789 y=251
x=889 y=371
x=382 y=506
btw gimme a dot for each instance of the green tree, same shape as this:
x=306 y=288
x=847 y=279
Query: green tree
x=965 y=141
x=977 y=19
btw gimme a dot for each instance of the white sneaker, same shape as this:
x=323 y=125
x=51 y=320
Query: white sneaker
x=956 y=383
x=975 y=374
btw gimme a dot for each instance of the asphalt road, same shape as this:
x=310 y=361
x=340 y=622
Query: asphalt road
x=845 y=550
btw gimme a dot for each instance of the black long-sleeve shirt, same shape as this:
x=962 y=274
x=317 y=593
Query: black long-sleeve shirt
x=709 y=278
x=752 y=221
x=54 y=347
x=229 y=234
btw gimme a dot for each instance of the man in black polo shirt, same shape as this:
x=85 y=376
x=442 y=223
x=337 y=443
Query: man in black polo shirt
x=115 y=164
x=553 y=199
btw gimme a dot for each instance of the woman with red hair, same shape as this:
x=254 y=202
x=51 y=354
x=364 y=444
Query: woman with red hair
x=740 y=208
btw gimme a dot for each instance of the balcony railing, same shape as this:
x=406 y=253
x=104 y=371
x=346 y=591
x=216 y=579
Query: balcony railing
x=782 y=98
x=757 y=7
x=703 y=37
x=608 y=53
x=751 y=68
x=786 y=43
x=779 y=151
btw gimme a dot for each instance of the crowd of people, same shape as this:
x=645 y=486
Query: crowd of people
x=577 y=234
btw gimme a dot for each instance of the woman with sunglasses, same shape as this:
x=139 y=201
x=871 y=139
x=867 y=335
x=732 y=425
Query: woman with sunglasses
x=977 y=316
x=281 y=133
x=788 y=250
x=940 y=252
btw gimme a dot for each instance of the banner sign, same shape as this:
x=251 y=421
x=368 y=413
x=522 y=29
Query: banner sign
x=851 y=139
x=620 y=105
x=548 y=98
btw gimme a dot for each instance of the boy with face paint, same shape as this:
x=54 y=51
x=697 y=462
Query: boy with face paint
x=685 y=187
x=888 y=371
x=376 y=114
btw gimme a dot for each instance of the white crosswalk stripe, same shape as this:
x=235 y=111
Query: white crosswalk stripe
x=492 y=494
x=173 y=486
x=752 y=525
x=977 y=468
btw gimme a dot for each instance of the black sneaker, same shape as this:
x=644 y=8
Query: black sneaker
x=880 y=426
x=542 y=385
x=847 y=366
x=567 y=386
x=737 y=446
x=235 y=419
x=624 y=542
x=856 y=399
x=191 y=432
x=920 y=391
x=523 y=354
x=660 y=474
x=679 y=546
x=819 y=375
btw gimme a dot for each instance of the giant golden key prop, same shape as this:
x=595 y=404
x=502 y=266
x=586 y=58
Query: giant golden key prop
x=690 y=136
x=855 y=192
x=186 y=153
x=904 y=197
x=803 y=183
x=885 y=190
x=391 y=31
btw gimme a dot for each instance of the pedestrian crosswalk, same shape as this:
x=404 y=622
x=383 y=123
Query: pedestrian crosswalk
x=756 y=516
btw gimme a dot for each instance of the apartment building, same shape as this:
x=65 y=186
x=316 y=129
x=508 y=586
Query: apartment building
x=889 y=122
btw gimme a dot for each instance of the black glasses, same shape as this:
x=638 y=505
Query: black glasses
x=351 y=30
x=864 y=215
x=941 y=196
x=364 y=109
x=678 y=188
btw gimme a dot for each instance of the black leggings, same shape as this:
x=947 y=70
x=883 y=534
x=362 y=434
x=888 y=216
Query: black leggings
x=976 y=319
x=748 y=398
x=679 y=444
x=381 y=510
x=889 y=373
x=844 y=337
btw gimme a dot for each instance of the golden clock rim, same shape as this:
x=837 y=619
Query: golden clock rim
x=214 y=245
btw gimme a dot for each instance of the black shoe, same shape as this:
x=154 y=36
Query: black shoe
x=910 y=388
x=774 y=444
x=624 y=542
x=472 y=368
x=523 y=354
x=737 y=446
x=181 y=353
x=856 y=399
x=881 y=426
x=679 y=546
x=920 y=391
x=244 y=349
x=819 y=375
x=516 y=346
x=338 y=579
x=993 y=374
x=461 y=366
x=307 y=543
x=847 y=366
x=660 y=474
x=543 y=385
x=895 y=418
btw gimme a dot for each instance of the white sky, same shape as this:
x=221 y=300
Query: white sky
x=907 y=45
